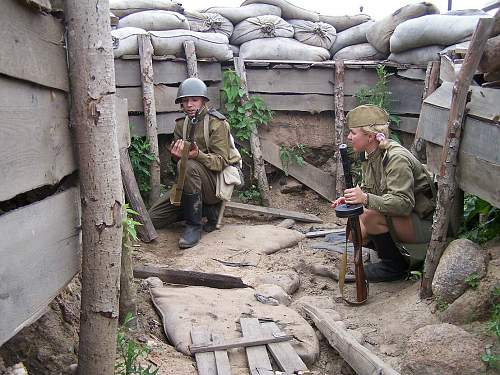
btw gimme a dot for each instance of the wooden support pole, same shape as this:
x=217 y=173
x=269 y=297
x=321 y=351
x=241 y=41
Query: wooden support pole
x=148 y=98
x=258 y=160
x=446 y=180
x=338 y=92
x=191 y=60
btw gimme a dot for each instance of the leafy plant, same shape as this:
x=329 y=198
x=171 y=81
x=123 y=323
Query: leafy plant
x=141 y=159
x=415 y=275
x=492 y=359
x=130 y=352
x=472 y=280
x=252 y=194
x=294 y=155
x=481 y=220
x=129 y=224
x=441 y=304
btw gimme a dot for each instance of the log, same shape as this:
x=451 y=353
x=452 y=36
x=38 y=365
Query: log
x=211 y=280
x=338 y=92
x=146 y=54
x=299 y=216
x=191 y=60
x=447 y=183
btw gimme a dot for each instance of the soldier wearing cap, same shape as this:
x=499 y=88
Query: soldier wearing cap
x=397 y=192
x=205 y=161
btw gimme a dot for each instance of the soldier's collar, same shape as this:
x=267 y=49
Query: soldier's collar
x=376 y=153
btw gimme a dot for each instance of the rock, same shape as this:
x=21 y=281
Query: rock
x=17 y=369
x=443 y=349
x=289 y=281
x=291 y=186
x=274 y=291
x=461 y=259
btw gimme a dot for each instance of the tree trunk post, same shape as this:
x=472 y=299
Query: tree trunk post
x=338 y=92
x=258 y=159
x=91 y=67
x=447 y=180
x=148 y=98
x=191 y=60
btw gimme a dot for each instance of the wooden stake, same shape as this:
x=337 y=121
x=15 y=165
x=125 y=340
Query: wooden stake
x=191 y=60
x=258 y=160
x=148 y=98
x=338 y=92
x=447 y=181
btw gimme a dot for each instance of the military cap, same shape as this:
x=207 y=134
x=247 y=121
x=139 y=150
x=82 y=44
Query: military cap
x=366 y=115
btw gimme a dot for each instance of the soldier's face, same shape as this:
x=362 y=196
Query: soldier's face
x=191 y=104
x=360 y=140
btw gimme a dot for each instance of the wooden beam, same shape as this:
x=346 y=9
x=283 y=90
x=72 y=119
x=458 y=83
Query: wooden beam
x=340 y=136
x=205 y=362
x=299 y=216
x=240 y=343
x=165 y=122
x=221 y=358
x=258 y=360
x=312 y=103
x=191 y=61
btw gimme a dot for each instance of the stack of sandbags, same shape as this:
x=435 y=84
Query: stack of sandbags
x=209 y=23
x=122 y=8
x=342 y=23
x=155 y=20
x=238 y=14
x=288 y=10
x=352 y=36
x=125 y=41
x=282 y=49
x=317 y=34
x=261 y=27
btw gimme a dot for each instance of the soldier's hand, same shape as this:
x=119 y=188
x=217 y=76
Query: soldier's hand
x=354 y=196
x=176 y=149
x=193 y=153
x=338 y=202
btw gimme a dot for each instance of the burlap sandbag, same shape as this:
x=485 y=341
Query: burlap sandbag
x=155 y=20
x=122 y=8
x=380 y=33
x=238 y=14
x=417 y=56
x=351 y=36
x=288 y=10
x=207 y=45
x=261 y=27
x=465 y=12
x=125 y=41
x=436 y=29
x=342 y=23
x=209 y=23
x=490 y=61
x=364 y=51
x=282 y=49
x=317 y=34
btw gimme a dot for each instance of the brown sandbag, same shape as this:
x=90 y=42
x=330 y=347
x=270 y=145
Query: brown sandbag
x=342 y=23
x=281 y=49
x=351 y=36
x=490 y=61
x=209 y=23
x=155 y=20
x=122 y=8
x=364 y=51
x=417 y=56
x=317 y=34
x=288 y=10
x=125 y=41
x=380 y=33
x=261 y=27
x=238 y=14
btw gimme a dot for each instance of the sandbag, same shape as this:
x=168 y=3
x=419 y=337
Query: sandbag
x=342 y=23
x=417 y=56
x=209 y=23
x=490 y=61
x=238 y=14
x=465 y=12
x=261 y=27
x=351 y=36
x=122 y=8
x=380 y=32
x=317 y=34
x=288 y=10
x=364 y=51
x=125 y=41
x=207 y=45
x=155 y=20
x=281 y=49
x=432 y=30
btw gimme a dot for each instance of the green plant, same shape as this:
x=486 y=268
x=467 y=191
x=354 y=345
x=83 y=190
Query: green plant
x=252 y=194
x=441 y=304
x=481 y=220
x=129 y=224
x=130 y=352
x=415 y=275
x=472 y=280
x=490 y=358
x=294 y=155
x=141 y=159
x=243 y=113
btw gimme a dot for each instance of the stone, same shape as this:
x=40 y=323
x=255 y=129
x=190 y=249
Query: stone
x=460 y=259
x=274 y=291
x=289 y=281
x=291 y=186
x=443 y=349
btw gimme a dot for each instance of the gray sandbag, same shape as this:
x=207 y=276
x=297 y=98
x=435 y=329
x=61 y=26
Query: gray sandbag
x=490 y=61
x=122 y=8
x=317 y=34
x=417 y=56
x=209 y=23
x=155 y=20
x=380 y=33
x=351 y=36
x=288 y=10
x=465 y=12
x=261 y=27
x=364 y=51
x=125 y=41
x=238 y=14
x=432 y=30
x=342 y=23
x=207 y=45
x=281 y=49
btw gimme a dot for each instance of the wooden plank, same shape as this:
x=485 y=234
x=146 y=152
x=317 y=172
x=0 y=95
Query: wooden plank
x=121 y=112
x=417 y=74
x=283 y=353
x=406 y=125
x=321 y=182
x=40 y=252
x=448 y=70
x=127 y=72
x=35 y=141
x=32 y=46
x=205 y=362
x=299 y=216
x=313 y=103
x=165 y=122
x=258 y=360
x=221 y=358
x=241 y=343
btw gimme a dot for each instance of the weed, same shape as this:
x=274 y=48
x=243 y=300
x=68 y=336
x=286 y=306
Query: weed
x=415 y=275
x=441 y=304
x=251 y=195
x=141 y=159
x=491 y=358
x=129 y=224
x=294 y=155
x=481 y=220
x=472 y=280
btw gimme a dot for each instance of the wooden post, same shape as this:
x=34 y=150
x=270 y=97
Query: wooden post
x=447 y=181
x=338 y=92
x=192 y=62
x=91 y=66
x=431 y=84
x=148 y=98
x=258 y=160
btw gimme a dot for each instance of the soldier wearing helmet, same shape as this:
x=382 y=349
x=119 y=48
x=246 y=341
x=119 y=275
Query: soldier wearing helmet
x=210 y=154
x=397 y=192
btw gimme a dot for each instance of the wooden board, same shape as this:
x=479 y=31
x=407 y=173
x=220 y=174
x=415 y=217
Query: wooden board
x=321 y=182
x=406 y=125
x=221 y=358
x=313 y=103
x=32 y=46
x=165 y=122
x=205 y=362
x=448 y=70
x=299 y=216
x=40 y=252
x=127 y=72
x=35 y=142
x=258 y=360
x=121 y=115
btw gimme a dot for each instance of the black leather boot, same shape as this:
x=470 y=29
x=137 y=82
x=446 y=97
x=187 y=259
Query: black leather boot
x=392 y=265
x=211 y=212
x=192 y=206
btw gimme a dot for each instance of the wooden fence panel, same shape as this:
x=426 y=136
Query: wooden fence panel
x=298 y=81
x=40 y=252
x=165 y=121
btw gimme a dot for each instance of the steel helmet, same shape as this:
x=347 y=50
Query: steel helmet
x=191 y=87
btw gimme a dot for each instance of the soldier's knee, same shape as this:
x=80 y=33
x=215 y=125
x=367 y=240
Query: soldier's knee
x=193 y=167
